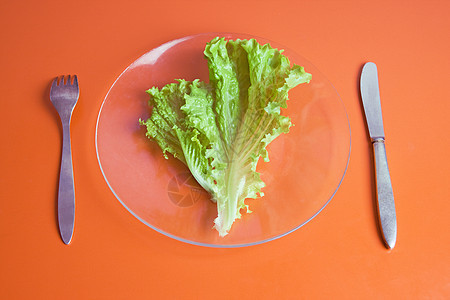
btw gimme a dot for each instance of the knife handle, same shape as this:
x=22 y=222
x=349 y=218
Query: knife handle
x=385 y=196
x=66 y=190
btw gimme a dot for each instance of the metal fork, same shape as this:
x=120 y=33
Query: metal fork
x=64 y=96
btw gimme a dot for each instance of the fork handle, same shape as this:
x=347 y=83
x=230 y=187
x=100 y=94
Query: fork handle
x=66 y=190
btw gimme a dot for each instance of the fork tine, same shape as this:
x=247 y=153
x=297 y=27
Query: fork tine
x=75 y=80
x=69 y=80
x=54 y=83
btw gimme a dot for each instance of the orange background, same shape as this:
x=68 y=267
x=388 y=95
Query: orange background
x=114 y=256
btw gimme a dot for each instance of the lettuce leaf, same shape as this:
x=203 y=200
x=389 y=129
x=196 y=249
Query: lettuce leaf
x=220 y=129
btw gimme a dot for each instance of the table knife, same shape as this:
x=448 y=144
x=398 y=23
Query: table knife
x=370 y=95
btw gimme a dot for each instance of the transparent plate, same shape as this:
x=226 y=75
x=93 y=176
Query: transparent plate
x=306 y=165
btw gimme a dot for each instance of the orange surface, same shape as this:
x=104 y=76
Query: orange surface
x=113 y=256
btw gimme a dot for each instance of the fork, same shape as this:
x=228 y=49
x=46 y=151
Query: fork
x=64 y=96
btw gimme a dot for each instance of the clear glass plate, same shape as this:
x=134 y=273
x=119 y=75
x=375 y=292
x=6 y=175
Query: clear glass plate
x=306 y=165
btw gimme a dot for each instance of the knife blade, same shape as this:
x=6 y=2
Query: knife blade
x=370 y=95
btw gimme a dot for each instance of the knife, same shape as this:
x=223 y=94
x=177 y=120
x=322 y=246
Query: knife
x=370 y=95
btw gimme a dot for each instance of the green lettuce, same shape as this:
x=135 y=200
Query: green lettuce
x=220 y=129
